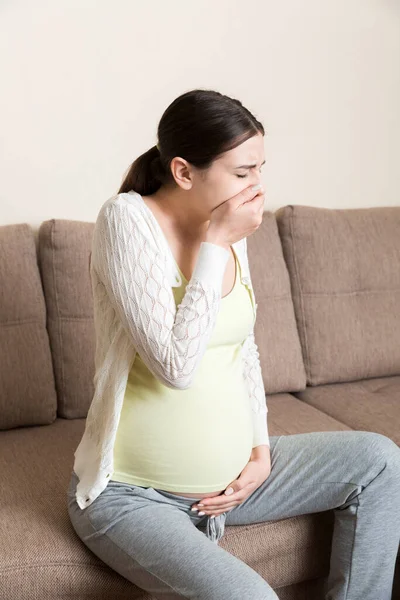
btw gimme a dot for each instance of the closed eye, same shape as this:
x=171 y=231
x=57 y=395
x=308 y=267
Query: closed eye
x=243 y=176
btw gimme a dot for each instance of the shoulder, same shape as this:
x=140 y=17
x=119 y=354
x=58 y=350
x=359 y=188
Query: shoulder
x=121 y=222
x=121 y=230
x=124 y=201
x=121 y=209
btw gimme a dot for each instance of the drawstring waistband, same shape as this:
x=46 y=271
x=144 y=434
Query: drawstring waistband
x=215 y=527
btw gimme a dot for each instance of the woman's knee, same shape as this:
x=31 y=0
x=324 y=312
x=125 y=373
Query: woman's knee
x=380 y=447
x=382 y=444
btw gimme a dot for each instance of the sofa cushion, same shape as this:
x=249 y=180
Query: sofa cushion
x=344 y=267
x=27 y=392
x=64 y=249
x=369 y=405
x=275 y=329
x=41 y=556
x=287 y=415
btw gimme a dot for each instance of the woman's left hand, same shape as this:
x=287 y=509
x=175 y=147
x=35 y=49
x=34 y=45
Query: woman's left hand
x=253 y=475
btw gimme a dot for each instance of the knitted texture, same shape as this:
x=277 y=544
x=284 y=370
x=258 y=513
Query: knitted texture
x=135 y=311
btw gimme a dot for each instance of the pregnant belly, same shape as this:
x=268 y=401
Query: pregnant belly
x=196 y=463
x=186 y=452
x=191 y=442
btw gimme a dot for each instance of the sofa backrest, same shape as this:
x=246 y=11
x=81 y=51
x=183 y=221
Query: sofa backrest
x=64 y=249
x=344 y=267
x=27 y=391
x=275 y=330
x=326 y=283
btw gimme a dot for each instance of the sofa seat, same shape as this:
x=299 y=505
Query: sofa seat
x=41 y=556
x=287 y=415
x=367 y=405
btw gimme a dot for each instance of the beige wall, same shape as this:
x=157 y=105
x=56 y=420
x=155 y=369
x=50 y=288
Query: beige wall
x=85 y=83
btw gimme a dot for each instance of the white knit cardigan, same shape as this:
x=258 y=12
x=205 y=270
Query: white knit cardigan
x=132 y=272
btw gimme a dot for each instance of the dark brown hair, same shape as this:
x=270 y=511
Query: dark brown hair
x=198 y=126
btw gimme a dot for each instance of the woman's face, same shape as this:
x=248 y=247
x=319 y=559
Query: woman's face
x=228 y=174
x=200 y=191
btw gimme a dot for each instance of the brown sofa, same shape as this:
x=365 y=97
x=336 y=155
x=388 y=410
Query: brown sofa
x=327 y=284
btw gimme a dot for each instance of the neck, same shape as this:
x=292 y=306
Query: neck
x=184 y=211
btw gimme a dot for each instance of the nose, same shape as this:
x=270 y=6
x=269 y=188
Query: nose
x=256 y=180
x=257 y=177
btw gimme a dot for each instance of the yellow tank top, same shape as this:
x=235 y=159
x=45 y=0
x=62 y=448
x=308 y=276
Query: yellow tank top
x=198 y=439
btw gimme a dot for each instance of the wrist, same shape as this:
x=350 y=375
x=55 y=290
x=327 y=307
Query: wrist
x=260 y=452
x=214 y=237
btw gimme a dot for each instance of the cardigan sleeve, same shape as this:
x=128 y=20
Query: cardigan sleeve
x=255 y=386
x=170 y=339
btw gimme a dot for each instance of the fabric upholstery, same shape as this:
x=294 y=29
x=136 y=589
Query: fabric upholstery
x=288 y=416
x=275 y=329
x=27 y=392
x=368 y=405
x=64 y=249
x=345 y=279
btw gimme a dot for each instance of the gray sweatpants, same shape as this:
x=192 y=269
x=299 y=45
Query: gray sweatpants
x=152 y=538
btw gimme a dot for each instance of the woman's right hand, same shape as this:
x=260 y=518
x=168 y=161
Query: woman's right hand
x=237 y=217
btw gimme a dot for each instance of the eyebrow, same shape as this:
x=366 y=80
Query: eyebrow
x=248 y=166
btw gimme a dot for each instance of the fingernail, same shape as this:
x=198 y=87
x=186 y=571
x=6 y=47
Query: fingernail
x=200 y=504
x=229 y=491
x=194 y=508
x=201 y=513
x=256 y=187
x=212 y=517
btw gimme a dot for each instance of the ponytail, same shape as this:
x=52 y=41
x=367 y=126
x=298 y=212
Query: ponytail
x=146 y=174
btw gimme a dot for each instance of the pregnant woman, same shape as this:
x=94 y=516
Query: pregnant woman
x=176 y=442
